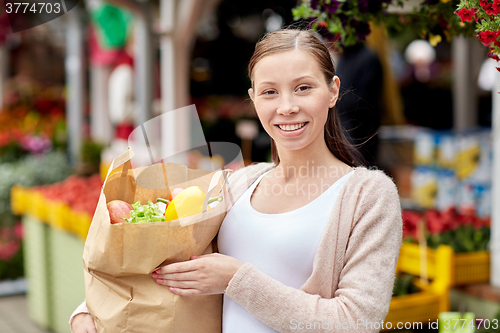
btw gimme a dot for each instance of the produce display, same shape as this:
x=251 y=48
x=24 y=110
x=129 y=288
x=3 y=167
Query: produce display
x=67 y=205
x=464 y=233
x=79 y=193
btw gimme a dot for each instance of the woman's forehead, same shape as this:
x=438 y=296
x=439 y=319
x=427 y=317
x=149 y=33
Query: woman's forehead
x=294 y=62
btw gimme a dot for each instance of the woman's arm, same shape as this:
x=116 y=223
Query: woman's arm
x=364 y=291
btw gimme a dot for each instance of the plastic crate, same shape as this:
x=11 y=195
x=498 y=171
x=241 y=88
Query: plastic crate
x=39 y=208
x=433 y=298
x=466 y=268
x=471 y=268
x=419 y=307
x=59 y=215
x=80 y=224
x=19 y=199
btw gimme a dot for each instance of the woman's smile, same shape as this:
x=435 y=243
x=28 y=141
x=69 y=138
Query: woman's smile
x=292 y=130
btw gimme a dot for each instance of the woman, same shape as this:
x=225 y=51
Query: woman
x=310 y=242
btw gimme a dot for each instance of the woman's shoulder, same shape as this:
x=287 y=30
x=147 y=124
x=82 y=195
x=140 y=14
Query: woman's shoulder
x=252 y=171
x=372 y=179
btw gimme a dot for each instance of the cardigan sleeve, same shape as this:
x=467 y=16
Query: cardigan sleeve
x=82 y=308
x=362 y=298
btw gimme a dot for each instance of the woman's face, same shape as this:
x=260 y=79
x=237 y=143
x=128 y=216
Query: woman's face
x=292 y=98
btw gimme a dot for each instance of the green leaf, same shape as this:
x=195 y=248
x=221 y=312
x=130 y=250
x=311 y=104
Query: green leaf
x=149 y=212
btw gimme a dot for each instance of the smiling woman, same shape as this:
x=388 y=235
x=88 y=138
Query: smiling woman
x=298 y=245
x=295 y=69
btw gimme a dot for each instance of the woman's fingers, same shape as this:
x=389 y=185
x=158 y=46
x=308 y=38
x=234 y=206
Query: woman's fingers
x=186 y=276
x=186 y=292
x=178 y=267
x=178 y=284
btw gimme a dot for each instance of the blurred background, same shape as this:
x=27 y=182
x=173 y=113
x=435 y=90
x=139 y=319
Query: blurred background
x=417 y=103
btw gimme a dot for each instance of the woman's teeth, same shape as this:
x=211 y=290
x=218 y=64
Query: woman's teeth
x=291 y=127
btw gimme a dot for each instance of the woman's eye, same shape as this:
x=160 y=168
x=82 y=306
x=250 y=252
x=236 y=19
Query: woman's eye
x=303 y=88
x=269 y=92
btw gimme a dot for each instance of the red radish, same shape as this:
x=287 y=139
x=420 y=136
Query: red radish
x=118 y=211
x=174 y=192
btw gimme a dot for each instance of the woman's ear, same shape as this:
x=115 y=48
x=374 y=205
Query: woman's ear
x=250 y=93
x=334 y=91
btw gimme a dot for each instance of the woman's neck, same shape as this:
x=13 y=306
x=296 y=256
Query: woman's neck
x=310 y=162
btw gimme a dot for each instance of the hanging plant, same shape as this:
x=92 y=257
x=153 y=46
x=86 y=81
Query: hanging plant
x=486 y=15
x=346 y=23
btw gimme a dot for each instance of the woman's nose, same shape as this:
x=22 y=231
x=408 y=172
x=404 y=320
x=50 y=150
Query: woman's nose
x=287 y=106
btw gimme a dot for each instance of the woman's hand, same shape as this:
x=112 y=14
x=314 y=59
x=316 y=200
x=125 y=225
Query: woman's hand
x=83 y=323
x=203 y=275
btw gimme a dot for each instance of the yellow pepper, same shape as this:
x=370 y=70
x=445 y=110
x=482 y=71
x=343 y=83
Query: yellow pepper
x=187 y=203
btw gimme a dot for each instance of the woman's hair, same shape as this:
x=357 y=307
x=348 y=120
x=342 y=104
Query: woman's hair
x=292 y=39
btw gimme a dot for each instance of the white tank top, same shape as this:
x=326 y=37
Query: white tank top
x=282 y=246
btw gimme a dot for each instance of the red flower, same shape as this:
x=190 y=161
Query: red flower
x=322 y=24
x=487 y=37
x=496 y=7
x=465 y=14
x=488 y=7
x=498 y=69
x=493 y=56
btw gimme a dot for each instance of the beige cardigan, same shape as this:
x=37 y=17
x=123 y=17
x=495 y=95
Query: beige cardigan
x=353 y=272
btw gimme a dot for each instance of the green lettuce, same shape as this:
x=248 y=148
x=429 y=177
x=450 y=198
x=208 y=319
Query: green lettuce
x=149 y=212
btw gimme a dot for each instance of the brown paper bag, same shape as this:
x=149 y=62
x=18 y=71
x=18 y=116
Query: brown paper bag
x=118 y=259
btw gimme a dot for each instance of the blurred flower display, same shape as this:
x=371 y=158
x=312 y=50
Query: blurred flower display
x=79 y=193
x=485 y=14
x=31 y=170
x=33 y=121
x=463 y=232
x=346 y=23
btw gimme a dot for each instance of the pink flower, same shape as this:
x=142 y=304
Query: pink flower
x=8 y=250
x=18 y=231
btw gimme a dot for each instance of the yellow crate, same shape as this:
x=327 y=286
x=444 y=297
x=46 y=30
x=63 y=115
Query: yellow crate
x=59 y=215
x=471 y=268
x=19 y=199
x=434 y=296
x=80 y=223
x=466 y=268
x=416 y=308
x=38 y=207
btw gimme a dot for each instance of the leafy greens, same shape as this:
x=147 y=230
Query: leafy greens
x=149 y=212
